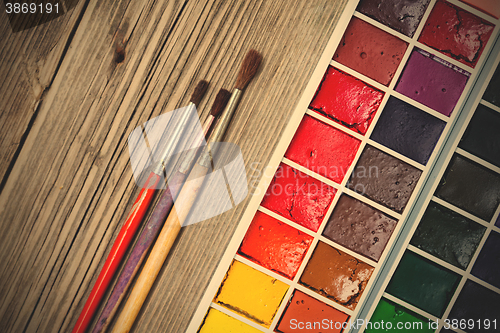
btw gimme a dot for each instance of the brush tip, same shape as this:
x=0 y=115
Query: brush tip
x=248 y=69
x=199 y=92
x=220 y=102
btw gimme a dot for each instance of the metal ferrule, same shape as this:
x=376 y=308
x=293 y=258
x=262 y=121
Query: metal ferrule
x=218 y=133
x=197 y=142
x=174 y=138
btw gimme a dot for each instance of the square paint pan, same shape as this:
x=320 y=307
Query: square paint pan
x=393 y=315
x=346 y=100
x=479 y=304
x=359 y=227
x=471 y=187
x=336 y=275
x=304 y=313
x=448 y=235
x=401 y=15
x=401 y=125
x=275 y=245
x=298 y=197
x=322 y=149
x=432 y=81
x=250 y=293
x=370 y=51
x=423 y=283
x=217 y=321
x=457 y=33
x=384 y=179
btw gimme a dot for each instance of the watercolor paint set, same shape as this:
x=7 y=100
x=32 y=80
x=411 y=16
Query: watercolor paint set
x=446 y=274
x=381 y=203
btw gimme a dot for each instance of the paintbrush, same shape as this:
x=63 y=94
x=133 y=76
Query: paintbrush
x=129 y=228
x=187 y=197
x=157 y=218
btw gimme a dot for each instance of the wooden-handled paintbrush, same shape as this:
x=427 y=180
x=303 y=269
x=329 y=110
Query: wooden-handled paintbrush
x=187 y=197
x=129 y=228
x=158 y=216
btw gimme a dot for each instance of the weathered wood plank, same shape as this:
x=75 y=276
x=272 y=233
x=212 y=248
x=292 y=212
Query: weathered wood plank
x=71 y=186
x=28 y=64
x=75 y=134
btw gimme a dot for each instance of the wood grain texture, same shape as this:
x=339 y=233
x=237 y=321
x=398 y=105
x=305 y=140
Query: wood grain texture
x=29 y=61
x=71 y=186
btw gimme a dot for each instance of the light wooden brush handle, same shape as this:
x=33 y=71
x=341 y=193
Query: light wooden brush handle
x=159 y=253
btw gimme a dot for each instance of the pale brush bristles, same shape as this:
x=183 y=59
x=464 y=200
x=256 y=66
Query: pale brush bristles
x=220 y=102
x=198 y=92
x=248 y=69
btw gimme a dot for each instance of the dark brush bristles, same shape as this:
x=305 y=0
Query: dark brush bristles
x=199 y=92
x=220 y=102
x=248 y=69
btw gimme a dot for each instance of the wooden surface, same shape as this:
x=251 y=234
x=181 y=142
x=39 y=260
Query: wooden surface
x=67 y=105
